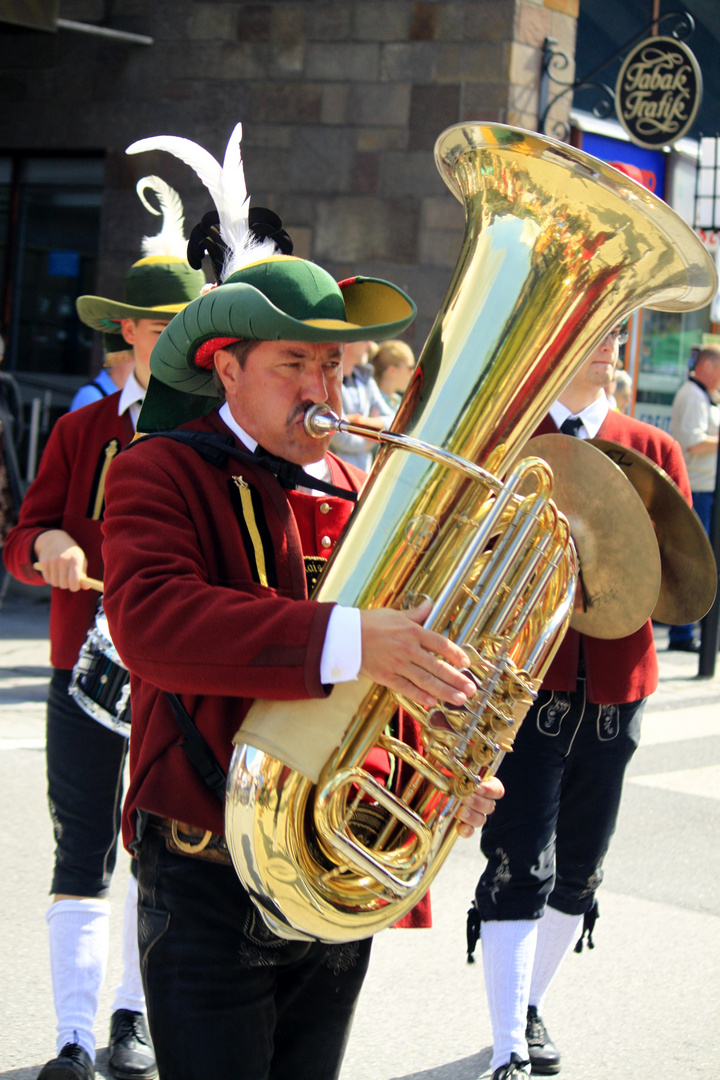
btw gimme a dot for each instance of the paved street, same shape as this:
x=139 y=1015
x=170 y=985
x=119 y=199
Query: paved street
x=645 y=1002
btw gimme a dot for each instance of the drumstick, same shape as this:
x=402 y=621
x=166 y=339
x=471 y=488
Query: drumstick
x=84 y=579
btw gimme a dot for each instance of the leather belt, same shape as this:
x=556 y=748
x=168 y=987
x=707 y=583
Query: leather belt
x=184 y=839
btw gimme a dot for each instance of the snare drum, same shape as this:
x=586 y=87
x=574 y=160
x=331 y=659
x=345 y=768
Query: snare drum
x=100 y=681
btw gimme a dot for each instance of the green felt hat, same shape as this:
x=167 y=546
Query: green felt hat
x=156 y=287
x=278 y=298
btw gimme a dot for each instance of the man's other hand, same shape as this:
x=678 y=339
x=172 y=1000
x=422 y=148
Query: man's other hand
x=476 y=808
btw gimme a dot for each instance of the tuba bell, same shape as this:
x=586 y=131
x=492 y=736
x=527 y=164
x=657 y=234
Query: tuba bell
x=558 y=249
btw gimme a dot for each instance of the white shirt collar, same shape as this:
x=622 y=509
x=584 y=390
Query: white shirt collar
x=319 y=469
x=132 y=396
x=592 y=417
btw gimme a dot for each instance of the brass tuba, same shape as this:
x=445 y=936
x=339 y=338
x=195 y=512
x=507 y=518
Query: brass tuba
x=558 y=248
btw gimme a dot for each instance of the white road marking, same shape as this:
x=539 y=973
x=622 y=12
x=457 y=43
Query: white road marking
x=703 y=781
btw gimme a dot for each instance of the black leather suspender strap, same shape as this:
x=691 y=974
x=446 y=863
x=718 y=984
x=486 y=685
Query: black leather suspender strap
x=215 y=448
x=197 y=750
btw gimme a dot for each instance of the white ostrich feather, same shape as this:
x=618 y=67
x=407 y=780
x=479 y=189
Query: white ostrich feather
x=171 y=238
x=226 y=184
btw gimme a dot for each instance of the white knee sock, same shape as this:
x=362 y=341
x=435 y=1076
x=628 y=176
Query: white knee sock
x=129 y=994
x=508 y=950
x=79 y=934
x=556 y=933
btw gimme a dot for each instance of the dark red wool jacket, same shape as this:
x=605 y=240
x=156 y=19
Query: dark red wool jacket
x=188 y=614
x=624 y=669
x=67 y=494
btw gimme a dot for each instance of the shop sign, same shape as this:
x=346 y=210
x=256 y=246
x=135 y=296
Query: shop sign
x=658 y=92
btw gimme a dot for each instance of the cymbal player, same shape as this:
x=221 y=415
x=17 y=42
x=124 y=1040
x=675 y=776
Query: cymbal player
x=546 y=843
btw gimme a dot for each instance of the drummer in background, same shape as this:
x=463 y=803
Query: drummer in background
x=546 y=842
x=59 y=531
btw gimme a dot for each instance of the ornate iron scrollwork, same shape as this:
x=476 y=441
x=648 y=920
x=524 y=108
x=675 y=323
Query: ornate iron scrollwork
x=679 y=24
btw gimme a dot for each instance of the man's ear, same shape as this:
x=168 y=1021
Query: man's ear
x=127 y=329
x=227 y=367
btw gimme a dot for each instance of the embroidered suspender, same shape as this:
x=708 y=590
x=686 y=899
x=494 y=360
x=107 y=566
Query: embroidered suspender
x=96 y=504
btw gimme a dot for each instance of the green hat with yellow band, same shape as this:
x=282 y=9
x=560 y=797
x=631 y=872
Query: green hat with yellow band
x=160 y=284
x=280 y=298
x=156 y=287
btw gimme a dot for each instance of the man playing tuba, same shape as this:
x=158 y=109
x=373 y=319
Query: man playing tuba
x=212 y=537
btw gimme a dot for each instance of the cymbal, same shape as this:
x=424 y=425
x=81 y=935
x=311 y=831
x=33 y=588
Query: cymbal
x=615 y=541
x=689 y=574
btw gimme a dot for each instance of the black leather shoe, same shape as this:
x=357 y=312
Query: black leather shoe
x=72 y=1063
x=690 y=645
x=544 y=1055
x=131 y=1051
x=515 y=1067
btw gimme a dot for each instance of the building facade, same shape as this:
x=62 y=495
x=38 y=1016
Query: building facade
x=341 y=103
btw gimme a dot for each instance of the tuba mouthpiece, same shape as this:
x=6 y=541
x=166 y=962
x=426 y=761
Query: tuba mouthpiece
x=320 y=421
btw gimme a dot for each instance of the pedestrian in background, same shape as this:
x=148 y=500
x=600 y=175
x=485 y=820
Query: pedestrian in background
x=623 y=391
x=694 y=422
x=361 y=402
x=393 y=363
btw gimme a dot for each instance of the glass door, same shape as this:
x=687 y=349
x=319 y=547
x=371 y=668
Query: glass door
x=55 y=235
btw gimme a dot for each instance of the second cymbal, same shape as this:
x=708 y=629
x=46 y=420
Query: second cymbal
x=689 y=575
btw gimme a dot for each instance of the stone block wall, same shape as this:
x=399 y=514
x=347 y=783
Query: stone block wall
x=341 y=102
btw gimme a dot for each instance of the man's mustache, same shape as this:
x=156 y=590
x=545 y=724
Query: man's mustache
x=299 y=411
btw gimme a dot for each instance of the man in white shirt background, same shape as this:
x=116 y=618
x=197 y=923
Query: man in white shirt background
x=694 y=422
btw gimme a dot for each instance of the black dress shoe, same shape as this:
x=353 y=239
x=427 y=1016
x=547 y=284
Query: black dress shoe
x=72 y=1063
x=131 y=1052
x=688 y=645
x=515 y=1067
x=544 y=1055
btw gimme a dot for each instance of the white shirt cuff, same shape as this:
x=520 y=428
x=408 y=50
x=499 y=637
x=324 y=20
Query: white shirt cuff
x=342 y=652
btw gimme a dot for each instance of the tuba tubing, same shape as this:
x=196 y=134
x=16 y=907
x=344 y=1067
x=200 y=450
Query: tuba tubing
x=558 y=248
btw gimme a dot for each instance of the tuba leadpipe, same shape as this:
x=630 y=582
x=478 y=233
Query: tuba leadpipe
x=558 y=249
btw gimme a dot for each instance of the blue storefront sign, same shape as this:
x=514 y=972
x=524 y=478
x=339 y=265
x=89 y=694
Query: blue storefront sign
x=650 y=164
